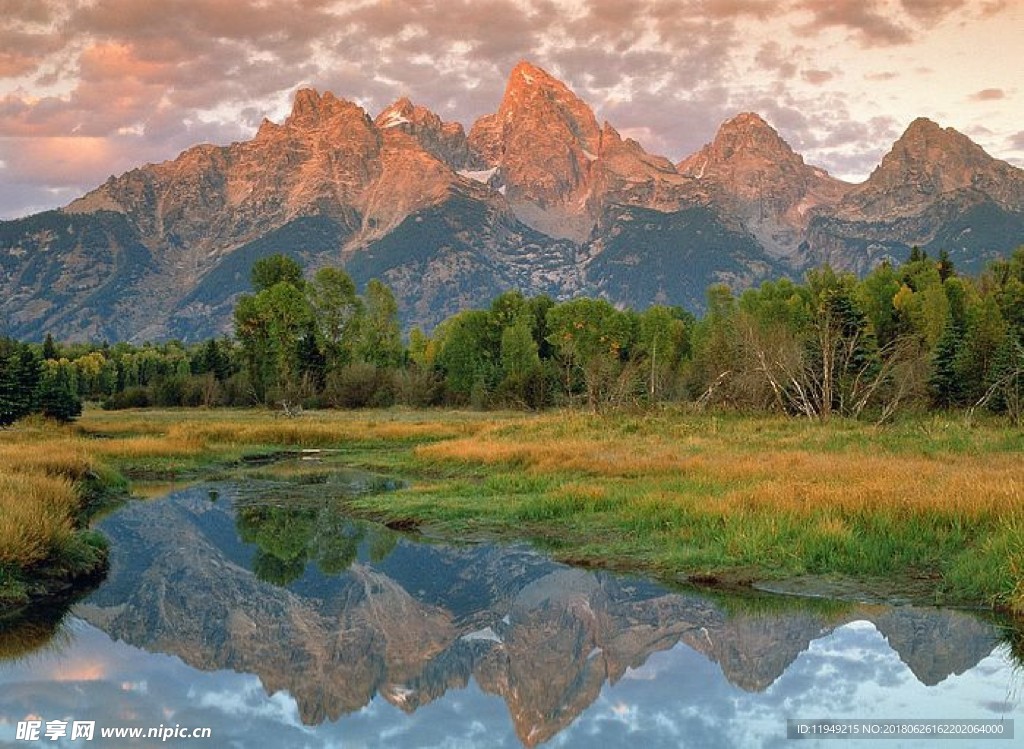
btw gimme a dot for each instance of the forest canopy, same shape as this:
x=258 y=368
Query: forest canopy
x=915 y=336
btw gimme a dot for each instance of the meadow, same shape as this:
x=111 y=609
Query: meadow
x=932 y=504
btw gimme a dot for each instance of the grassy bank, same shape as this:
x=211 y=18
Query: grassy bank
x=929 y=504
x=936 y=504
x=49 y=482
x=53 y=477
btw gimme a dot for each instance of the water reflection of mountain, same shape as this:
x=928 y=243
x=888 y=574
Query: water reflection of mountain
x=410 y=621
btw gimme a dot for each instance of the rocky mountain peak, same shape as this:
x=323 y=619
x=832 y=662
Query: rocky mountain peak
x=742 y=143
x=446 y=141
x=535 y=95
x=311 y=108
x=927 y=162
x=944 y=150
x=750 y=171
x=543 y=140
x=405 y=115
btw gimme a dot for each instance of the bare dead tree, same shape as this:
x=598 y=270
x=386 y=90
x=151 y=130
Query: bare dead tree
x=824 y=369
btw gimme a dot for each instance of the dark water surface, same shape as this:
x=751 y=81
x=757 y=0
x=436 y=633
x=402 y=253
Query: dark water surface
x=256 y=609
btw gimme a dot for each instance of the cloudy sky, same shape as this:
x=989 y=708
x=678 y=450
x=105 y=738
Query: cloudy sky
x=90 y=88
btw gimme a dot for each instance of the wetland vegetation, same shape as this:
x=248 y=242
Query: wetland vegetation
x=931 y=504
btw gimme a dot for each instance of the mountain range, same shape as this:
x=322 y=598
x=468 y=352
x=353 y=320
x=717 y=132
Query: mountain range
x=538 y=197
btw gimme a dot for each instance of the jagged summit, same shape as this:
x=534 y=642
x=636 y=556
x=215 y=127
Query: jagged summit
x=446 y=141
x=526 y=76
x=926 y=163
x=537 y=197
x=746 y=136
x=559 y=169
x=949 y=158
x=535 y=95
x=542 y=141
x=310 y=108
x=751 y=172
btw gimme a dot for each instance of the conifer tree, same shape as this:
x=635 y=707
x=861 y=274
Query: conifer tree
x=58 y=394
x=944 y=383
x=19 y=381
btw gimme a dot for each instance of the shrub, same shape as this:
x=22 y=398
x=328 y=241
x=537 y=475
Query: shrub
x=359 y=385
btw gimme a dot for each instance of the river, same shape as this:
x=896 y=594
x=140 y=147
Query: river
x=255 y=608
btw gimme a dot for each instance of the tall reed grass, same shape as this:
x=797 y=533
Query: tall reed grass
x=42 y=475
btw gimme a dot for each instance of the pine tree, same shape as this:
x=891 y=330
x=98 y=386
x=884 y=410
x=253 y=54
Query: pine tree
x=945 y=266
x=58 y=396
x=1007 y=379
x=19 y=381
x=944 y=381
x=50 y=348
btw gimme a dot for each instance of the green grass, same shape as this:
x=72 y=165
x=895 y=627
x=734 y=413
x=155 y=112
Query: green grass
x=733 y=498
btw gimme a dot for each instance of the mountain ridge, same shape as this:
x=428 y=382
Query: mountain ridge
x=537 y=196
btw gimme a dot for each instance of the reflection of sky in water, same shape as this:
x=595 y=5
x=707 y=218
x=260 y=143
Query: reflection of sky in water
x=676 y=698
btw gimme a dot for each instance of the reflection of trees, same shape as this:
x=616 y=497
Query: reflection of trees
x=289 y=538
x=338 y=545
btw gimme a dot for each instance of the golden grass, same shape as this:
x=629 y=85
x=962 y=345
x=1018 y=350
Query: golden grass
x=322 y=431
x=38 y=497
x=41 y=470
x=795 y=481
x=595 y=457
x=194 y=430
x=61 y=457
x=36 y=514
x=147 y=446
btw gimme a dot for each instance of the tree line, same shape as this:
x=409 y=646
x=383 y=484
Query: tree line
x=33 y=382
x=913 y=336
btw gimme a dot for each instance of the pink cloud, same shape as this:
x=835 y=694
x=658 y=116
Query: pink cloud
x=931 y=11
x=60 y=161
x=872 y=25
x=989 y=94
x=817 y=77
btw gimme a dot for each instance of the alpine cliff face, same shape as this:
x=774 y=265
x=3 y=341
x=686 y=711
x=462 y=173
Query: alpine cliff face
x=936 y=189
x=542 y=142
x=538 y=197
x=751 y=173
x=557 y=167
x=925 y=163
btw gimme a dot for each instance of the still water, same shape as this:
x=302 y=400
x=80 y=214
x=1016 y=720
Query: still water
x=258 y=610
